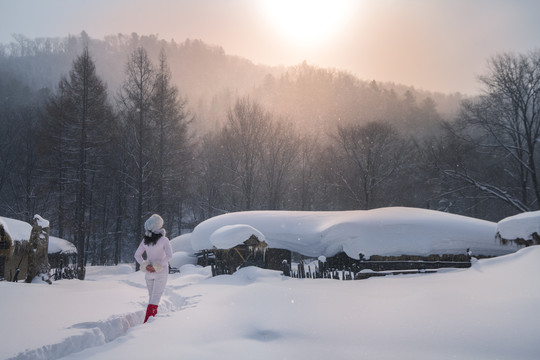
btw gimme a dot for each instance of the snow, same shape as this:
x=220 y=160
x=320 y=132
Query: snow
x=61 y=246
x=229 y=236
x=181 y=243
x=520 y=226
x=183 y=253
x=182 y=258
x=489 y=311
x=18 y=230
x=41 y=221
x=385 y=231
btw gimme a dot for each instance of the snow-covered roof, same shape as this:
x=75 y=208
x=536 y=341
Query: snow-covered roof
x=60 y=246
x=520 y=226
x=385 y=231
x=229 y=236
x=20 y=231
x=17 y=230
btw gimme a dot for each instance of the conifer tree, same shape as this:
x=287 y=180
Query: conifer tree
x=81 y=112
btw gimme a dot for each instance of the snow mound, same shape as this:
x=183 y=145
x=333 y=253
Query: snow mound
x=520 y=264
x=181 y=243
x=254 y=273
x=123 y=269
x=41 y=221
x=181 y=258
x=17 y=230
x=60 y=246
x=521 y=226
x=385 y=231
x=229 y=236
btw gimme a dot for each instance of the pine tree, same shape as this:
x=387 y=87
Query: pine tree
x=135 y=101
x=81 y=112
x=171 y=121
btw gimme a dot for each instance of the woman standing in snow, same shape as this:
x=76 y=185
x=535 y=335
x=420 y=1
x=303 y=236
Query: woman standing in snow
x=156 y=266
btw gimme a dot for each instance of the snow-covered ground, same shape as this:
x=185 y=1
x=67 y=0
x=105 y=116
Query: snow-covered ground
x=489 y=311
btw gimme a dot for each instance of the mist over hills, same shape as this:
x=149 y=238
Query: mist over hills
x=211 y=80
x=236 y=136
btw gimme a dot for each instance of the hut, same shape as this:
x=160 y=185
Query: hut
x=62 y=253
x=17 y=252
x=521 y=229
x=238 y=246
x=14 y=247
x=395 y=238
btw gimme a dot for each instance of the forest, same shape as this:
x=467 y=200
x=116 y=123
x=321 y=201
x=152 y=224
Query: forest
x=98 y=134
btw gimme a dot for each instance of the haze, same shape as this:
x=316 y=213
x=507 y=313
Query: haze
x=431 y=45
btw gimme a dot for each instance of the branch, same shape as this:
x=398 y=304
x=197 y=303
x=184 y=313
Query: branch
x=489 y=189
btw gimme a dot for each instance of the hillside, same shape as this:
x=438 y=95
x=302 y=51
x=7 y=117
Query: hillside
x=212 y=80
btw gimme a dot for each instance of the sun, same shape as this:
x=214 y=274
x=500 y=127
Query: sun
x=307 y=22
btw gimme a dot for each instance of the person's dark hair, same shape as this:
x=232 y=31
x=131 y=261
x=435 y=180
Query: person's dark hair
x=152 y=239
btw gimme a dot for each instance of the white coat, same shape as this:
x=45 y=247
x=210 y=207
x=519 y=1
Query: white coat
x=158 y=256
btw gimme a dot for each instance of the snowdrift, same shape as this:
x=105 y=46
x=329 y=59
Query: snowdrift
x=387 y=232
x=488 y=311
x=524 y=227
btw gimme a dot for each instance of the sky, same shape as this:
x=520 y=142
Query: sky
x=435 y=45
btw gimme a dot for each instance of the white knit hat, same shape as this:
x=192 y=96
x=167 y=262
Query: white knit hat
x=154 y=224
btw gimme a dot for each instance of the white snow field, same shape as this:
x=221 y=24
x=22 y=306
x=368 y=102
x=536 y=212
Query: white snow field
x=489 y=311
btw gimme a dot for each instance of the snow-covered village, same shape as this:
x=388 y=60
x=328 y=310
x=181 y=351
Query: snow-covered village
x=487 y=310
x=269 y=179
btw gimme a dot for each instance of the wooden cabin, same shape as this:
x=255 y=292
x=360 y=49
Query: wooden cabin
x=13 y=253
x=62 y=253
x=251 y=252
x=27 y=250
x=521 y=229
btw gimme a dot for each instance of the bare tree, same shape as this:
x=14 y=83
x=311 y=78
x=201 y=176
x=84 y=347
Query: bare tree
x=172 y=153
x=135 y=101
x=280 y=151
x=245 y=135
x=506 y=121
x=366 y=159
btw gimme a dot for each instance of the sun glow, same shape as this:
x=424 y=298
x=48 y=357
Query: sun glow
x=307 y=22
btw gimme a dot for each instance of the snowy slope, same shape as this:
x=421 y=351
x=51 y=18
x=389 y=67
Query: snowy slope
x=385 y=231
x=489 y=311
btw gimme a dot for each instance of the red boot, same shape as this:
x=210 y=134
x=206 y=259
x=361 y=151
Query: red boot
x=151 y=310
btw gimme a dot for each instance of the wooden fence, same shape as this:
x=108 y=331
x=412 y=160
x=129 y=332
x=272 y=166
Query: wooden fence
x=339 y=266
x=366 y=269
x=358 y=271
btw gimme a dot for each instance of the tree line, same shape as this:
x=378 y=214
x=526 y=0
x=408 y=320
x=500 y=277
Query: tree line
x=98 y=163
